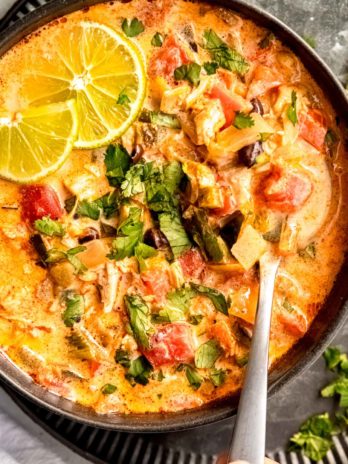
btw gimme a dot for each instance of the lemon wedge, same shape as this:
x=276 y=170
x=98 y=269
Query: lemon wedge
x=98 y=67
x=36 y=142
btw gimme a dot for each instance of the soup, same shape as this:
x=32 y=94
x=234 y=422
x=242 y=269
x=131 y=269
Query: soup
x=129 y=277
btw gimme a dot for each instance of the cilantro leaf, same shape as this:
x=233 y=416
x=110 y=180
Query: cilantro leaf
x=160 y=118
x=74 y=308
x=133 y=27
x=54 y=255
x=133 y=183
x=88 y=209
x=310 y=40
x=243 y=121
x=171 y=226
x=217 y=298
x=109 y=203
x=139 y=316
x=188 y=72
x=193 y=377
x=122 y=357
x=123 y=98
x=218 y=377
x=139 y=371
x=207 y=354
x=314 y=437
x=130 y=233
x=108 y=389
x=173 y=175
x=48 y=226
x=142 y=252
x=291 y=111
x=210 y=67
x=74 y=260
x=117 y=162
x=332 y=356
x=157 y=40
x=223 y=55
x=338 y=387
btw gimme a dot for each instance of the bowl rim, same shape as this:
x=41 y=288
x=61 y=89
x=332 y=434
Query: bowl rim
x=212 y=412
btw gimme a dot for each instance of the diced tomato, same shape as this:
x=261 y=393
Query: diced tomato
x=192 y=263
x=171 y=344
x=313 y=128
x=229 y=104
x=167 y=58
x=285 y=191
x=39 y=201
x=222 y=332
x=93 y=367
x=295 y=323
x=229 y=204
x=264 y=79
x=156 y=282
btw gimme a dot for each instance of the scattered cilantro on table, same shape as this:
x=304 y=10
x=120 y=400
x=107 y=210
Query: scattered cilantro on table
x=315 y=436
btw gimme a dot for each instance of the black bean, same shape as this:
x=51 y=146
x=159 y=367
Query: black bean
x=88 y=235
x=137 y=153
x=257 y=106
x=40 y=248
x=247 y=155
x=155 y=238
x=231 y=229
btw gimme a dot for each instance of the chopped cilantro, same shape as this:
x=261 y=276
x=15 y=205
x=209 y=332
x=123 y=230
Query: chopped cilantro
x=48 y=226
x=243 y=121
x=108 y=389
x=139 y=371
x=122 y=357
x=217 y=377
x=157 y=40
x=314 y=437
x=291 y=111
x=207 y=354
x=129 y=234
x=193 y=377
x=74 y=304
x=310 y=40
x=160 y=118
x=171 y=226
x=117 y=162
x=54 y=255
x=223 y=55
x=123 y=98
x=88 y=209
x=188 y=72
x=210 y=67
x=140 y=321
x=133 y=27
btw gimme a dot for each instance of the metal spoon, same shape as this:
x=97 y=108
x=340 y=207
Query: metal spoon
x=249 y=435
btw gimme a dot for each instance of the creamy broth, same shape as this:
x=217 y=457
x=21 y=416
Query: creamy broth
x=293 y=198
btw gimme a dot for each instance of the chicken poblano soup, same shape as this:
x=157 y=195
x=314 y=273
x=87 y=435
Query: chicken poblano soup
x=150 y=154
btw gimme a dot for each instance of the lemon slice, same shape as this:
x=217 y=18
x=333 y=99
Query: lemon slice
x=99 y=68
x=37 y=141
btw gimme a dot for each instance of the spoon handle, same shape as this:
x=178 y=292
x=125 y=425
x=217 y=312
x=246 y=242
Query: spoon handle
x=249 y=435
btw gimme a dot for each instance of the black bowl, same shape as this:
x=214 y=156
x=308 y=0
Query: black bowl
x=302 y=355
